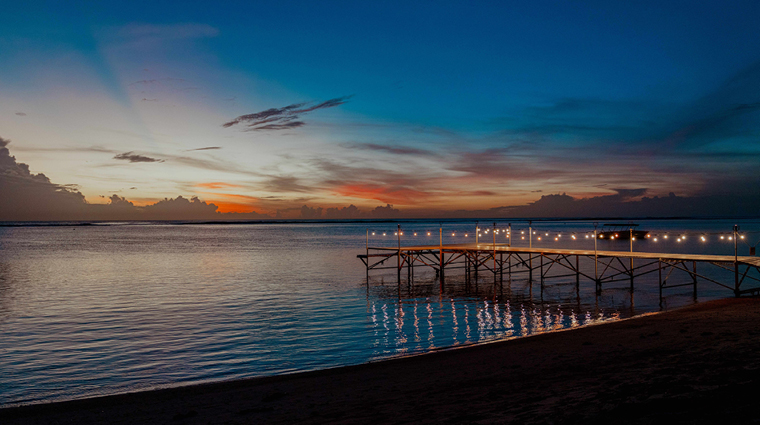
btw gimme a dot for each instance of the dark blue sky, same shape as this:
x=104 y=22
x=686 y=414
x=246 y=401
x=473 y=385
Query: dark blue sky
x=445 y=105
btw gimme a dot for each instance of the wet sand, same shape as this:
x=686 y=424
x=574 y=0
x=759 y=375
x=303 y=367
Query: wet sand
x=700 y=364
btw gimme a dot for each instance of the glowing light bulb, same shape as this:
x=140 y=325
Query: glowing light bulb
x=556 y=239
x=465 y=235
x=402 y=233
x=586 y=236
x=683 y=237
x=415 y=233
x=452 y=234
x=428 y=233
x=383 y=234
x=395 y=233
x=539 y=238
x=523 y=232
x=722 y=237
x=373 y=233
x=742 y=236
x=633 y=238
x=703 y=238
x=522 y=237
x=573 y=237
x=655 y=239
x=665 y=237
x=678 y=240
x=729 y=238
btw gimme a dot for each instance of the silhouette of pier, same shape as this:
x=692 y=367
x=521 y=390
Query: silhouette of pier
x=601 y=268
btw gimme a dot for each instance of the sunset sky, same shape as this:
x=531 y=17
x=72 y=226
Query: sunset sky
x=428 y=106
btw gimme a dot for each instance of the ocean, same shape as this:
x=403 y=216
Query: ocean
x=89 y=309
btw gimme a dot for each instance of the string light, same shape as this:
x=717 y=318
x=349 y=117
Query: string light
x=655 y=239
x=703 y=239
x=428 y=233
x=722 y=237
x=415 y=233
x=373 y=233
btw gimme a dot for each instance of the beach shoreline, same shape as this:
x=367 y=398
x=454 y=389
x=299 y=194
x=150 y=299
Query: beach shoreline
x=686 y=365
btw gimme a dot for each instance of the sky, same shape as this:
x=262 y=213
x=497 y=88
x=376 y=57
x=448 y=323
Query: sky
x=185 y=110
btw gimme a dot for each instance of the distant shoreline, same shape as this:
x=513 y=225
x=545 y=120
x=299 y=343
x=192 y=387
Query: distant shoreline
x=76 y=223
x=696 y=364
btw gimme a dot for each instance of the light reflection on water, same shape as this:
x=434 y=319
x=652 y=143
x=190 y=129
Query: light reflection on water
x=96 y=310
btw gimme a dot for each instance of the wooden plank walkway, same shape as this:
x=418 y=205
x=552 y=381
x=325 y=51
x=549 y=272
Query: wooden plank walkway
x=504 y=248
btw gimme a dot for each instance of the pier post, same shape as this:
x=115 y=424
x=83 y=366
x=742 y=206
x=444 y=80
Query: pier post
x=398 y=257
x=367 y=256
x=501 y=268
x=736 y=260
x=494 y=251
x=577 y=273
x=596 y=266
x=694 y=268
x=659 y=272
x=530 y=254
x=542 y=271
x=440 y=239
x=631 y=239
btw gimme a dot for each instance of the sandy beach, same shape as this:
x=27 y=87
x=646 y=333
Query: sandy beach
x=699 y=364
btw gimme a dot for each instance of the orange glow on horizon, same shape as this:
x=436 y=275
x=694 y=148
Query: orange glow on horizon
x=381 y=193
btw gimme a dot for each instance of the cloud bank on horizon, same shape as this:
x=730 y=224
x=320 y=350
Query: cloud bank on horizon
x=491 y=110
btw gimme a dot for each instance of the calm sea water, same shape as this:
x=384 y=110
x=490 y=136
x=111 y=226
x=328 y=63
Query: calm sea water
x=113 y=307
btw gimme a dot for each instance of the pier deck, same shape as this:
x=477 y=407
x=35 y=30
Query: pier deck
x=608 y=266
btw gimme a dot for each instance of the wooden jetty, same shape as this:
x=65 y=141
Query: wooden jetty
x=608 y=266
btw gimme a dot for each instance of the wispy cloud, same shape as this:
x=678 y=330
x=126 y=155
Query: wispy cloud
x=132 y=157
x=392 y=149
x=286 y=117
x=21 y=114
x=207 y=148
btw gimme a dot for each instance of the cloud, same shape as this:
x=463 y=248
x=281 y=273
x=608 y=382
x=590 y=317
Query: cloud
x=392 y=149
x=21 y=114
x=284 y=184
x=207 y=148
x=27 y=196
x=33 y=197
x=286 y=117
x=131 y=157
x=217 y=185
